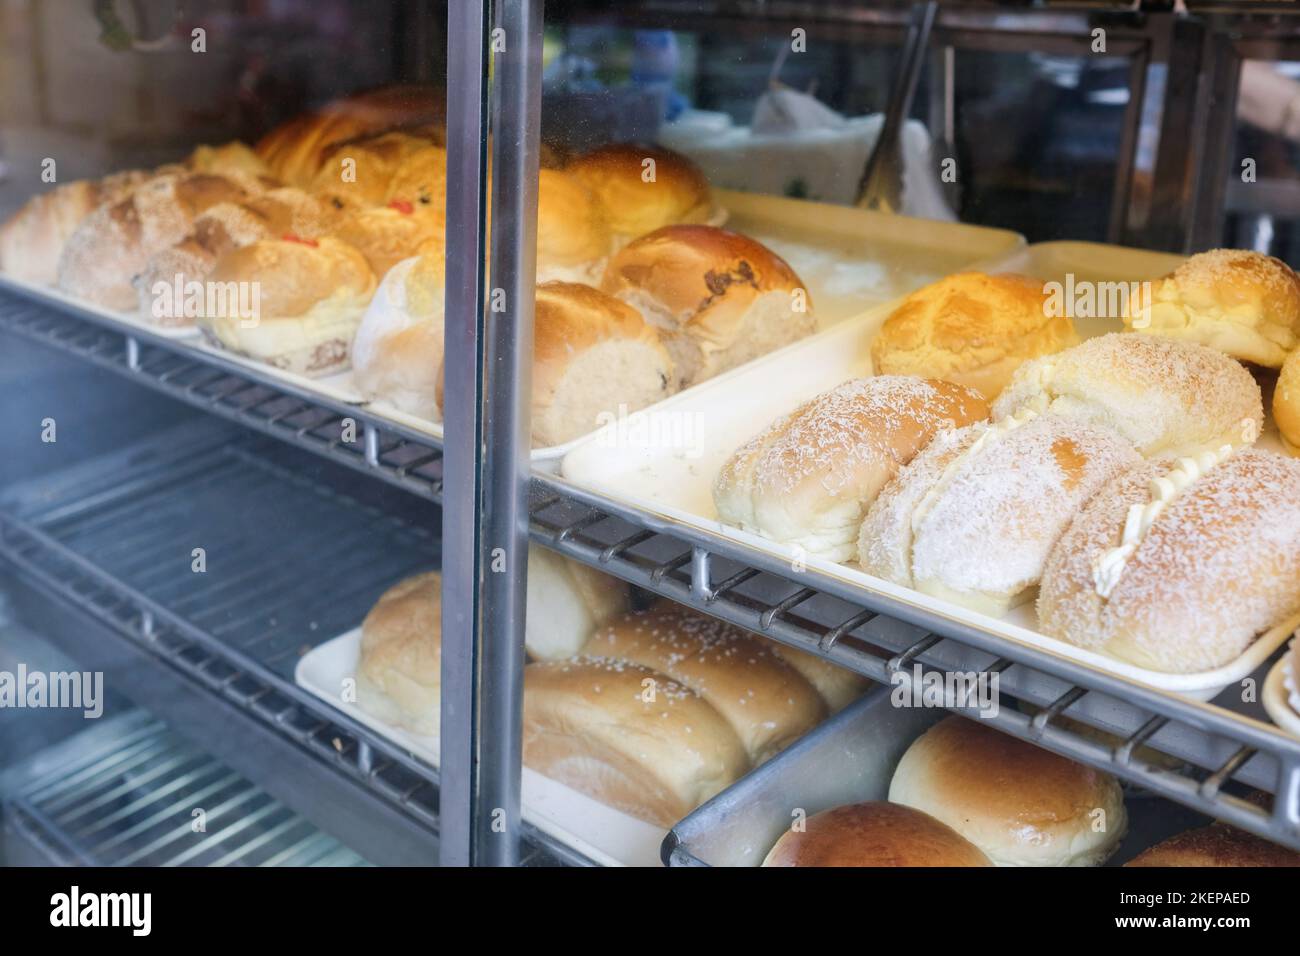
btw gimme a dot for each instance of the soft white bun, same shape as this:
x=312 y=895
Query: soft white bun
x=971 y=328
x=567 y=601
x=644 y=187
x=627 y=736
x=766 y=701
x=808 y=478
x=1217 y=567
x=1020 y=804
x=719 y=298
x=1216 y=845
x=874 y=834
x=312 y=293
x=399 y=675
x=838 y=686
x=1243 y=303
x=973 y=517
x=1161 y=394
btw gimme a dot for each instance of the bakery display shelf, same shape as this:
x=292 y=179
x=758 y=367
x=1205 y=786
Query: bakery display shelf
x=1191 y=752
x=126 y=791
x=112 y=538
x=406 y=457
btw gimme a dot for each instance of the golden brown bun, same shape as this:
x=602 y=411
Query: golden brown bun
x=1163 y=395
x=721 y=299
x=1216 y=845
x=617 y=174
x=1243 y=303
x=874 y=834
x=421 y=180
x=1020 y=804
x=627 y=736
x=232 y=157
x=295 y=150
x=386 y=235
x=971 y=328
x=573 y=237
x=399 y=675
x=312 y=294
x=808 y=478
x=838 y=686
x=1286 y=403
x=1219 y=566
x=360 y=172
x=765 y=700
x=114 y=244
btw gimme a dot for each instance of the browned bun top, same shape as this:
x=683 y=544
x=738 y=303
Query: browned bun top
x=386 y=235
x=571 y=225
x=644 y=187
x=421 y=180
x=569 y=316
x=295 y=274
x=403 y=631
x=874 y=834
x=1216 y=845
x=360 y=171
x=1241 y=277
x=228 y=157
x=685 y=270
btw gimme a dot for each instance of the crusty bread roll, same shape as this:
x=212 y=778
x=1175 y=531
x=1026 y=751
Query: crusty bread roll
x=359 y=172
x=973 y=517
x=766 y=701
x=1243 y=303
x=115 y=242
x=838 y=686
x=1179 y=566
x=1163 y=395
x=1286 y=403
x=567 y=601
x=971 y=328
x=1020 y=804
x=808 y=478
x=223 y=227
x=399 y=675
x=1216 y=845
x=32 y=239
x=397 y=351
x=627 y=736
x=311 y=296
x=232 y=157
x=386 y=235
x=720 y=299
x=644 y=187
x=874 y=834
x=295 y=150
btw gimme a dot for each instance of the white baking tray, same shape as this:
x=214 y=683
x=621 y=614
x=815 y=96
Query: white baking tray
x=128 y=320
x=1275 y=698
x=647 y=463
x=601 y=833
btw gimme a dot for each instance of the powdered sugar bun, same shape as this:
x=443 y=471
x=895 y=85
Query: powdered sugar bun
x=808 y=477
x=973 y=517
x=1219 y=566
x=1163 y=395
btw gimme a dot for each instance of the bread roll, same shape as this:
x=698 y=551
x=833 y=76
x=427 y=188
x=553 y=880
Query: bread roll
x=838 y=686
x=573 y=238
x=1286 y=403
x=719 y=298
x=311 y=296
x=232 y=157
x=386 y=235
x=644 y=187
x=1243 y=303
x=567 y=601
x=33 y=238
x=1175 y=572
x=294 y=151
x=1216 y=845
x=627 y=736
x=1020 y=804
x=971 y=328
x=420 y=181
x=973 y=517
x=874 y=834
x=808 y=478
x=399 y=675
x=397 y=352
x=765 y=700
x=359 y=172
x=1163 y=395
x=115 y=242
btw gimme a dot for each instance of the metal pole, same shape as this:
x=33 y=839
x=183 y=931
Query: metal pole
x=516 y=127
x=467 y=89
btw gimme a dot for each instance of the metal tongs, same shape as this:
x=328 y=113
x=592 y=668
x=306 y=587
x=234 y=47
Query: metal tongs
x=881 y=187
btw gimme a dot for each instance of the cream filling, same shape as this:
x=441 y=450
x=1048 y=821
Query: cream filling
x=1163 y=489
x=1289 y=678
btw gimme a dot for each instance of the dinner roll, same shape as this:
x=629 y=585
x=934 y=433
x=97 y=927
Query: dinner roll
x=311 y=294
x=766 y=701
x=399 y=674
x=1020 y=804
x=719 y=298
x=420 y=181
x=1286 y=403
x=627 y=736
x=1216 y=845
x=567 y=601
x=32 y=239
x=573 y=238
x=1179 y=565
x=1163 y=395
x=971 y=328
x=808 y=478
x=838 y=686
x=974 y=515
x=1243 y=303
x=644 y=187
x=874 y=834
x=359 y=172
x=397 y=351
x=229 y=157
x=386 y=235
